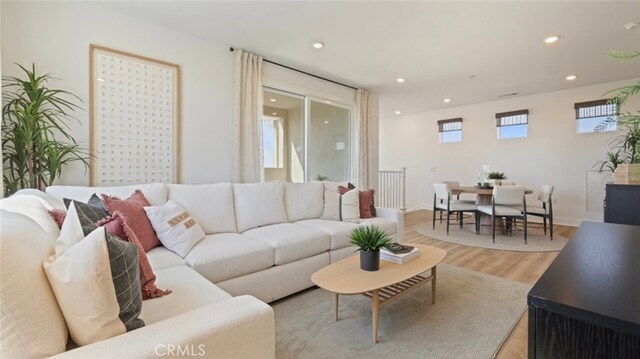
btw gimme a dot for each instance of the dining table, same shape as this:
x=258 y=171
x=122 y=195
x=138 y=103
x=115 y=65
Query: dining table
x=484 y=196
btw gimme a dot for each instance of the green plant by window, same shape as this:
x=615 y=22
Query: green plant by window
x=369 y=238
x=496 y=176
x=36 y=144
x=626 y=146
x=321 y=178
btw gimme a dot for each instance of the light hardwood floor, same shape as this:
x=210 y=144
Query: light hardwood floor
x=524 y=267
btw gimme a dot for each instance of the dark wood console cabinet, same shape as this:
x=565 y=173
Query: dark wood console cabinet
x=587 y=303
x=622 y=204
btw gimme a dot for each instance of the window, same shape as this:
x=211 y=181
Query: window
x=596 y=116
x=512 y=124
x=272 y=142
x=304 y=137
x=450 y=130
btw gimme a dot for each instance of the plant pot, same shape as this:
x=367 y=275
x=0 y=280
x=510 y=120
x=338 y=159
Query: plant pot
x=627 y=174
x=370 y=261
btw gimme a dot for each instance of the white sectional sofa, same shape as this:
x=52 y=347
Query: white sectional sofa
x=263 y=240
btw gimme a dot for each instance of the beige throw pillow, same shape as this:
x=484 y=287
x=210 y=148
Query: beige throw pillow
x=96 y=281
x=175 y=227
x=350 y=206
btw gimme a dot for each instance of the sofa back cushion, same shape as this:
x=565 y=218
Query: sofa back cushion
x=155 y=193
x=35 y=208
x=258 y=204
x=303 y=200
x=32 y=322
x=210 y=204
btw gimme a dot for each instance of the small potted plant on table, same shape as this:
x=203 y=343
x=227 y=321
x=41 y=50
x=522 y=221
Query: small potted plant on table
x=369 y=240
x=495 y=178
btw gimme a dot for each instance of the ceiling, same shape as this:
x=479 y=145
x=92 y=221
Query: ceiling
x=470 y=52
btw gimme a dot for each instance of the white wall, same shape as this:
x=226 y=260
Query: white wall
x=552 y=153
x=56 y=37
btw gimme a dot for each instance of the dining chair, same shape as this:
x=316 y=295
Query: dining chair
x=546 y=210
x=442 y=202
x=503 y=204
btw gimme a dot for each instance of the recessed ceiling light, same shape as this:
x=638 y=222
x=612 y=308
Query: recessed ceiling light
x=100 y=79
x=397 y=112
x=551 y=39
x=274 y=113
x=447 y=100
x=328 y=101
x=318 y=45
x=571 y=77
x=326 y=122
x=400 y=80
x=272 y=100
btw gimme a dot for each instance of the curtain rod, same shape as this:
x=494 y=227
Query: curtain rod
x=231 y=49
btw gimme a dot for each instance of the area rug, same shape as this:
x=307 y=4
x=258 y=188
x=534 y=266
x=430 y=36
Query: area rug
x=473 y=314
x=536 y=240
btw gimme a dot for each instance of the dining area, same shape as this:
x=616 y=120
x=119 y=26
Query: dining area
x=491 y=208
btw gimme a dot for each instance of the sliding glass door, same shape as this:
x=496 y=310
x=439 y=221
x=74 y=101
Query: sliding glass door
x=329 y=141
x=305 y=139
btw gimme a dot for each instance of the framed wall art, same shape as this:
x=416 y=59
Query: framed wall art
x=135 y=118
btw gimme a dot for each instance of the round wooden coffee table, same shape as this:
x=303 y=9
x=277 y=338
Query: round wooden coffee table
x=383 y=286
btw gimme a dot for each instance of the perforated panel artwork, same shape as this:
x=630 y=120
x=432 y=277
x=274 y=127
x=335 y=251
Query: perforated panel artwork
x=134 y=104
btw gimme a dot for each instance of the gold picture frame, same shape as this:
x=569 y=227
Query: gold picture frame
x=134 y=118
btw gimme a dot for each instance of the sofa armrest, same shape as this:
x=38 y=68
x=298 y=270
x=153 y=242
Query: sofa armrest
x=396 y=216
x=240 y=327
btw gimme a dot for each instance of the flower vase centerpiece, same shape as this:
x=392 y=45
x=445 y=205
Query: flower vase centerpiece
x=369 y=240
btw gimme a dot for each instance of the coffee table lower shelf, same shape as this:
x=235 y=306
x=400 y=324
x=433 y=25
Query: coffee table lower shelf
x=382 y=296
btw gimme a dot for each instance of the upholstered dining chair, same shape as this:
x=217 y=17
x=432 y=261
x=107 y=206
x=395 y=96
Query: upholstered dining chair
x=442 y=202
x=503 y=204
x=546 y=210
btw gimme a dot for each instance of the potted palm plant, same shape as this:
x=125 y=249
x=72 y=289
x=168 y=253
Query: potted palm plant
x=36 y=144
x=369 y=240
x=624 y=160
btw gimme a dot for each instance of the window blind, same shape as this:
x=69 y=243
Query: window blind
x=598 y=108
x=512 y=118
x=452 y=124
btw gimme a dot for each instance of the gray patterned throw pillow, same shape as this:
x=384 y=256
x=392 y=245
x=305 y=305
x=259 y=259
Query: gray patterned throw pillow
x=123 y=258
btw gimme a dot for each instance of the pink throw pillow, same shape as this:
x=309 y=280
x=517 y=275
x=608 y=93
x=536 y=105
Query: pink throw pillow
x=133 y=215
x=117 y=225
x=113 y=225
x=366 y=203
x=58 y=216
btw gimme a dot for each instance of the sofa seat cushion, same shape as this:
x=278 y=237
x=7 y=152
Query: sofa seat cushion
x=228 y=255
x=338 y=231
x=161 y=258
x=189 y=289
x=155 y=193
x=291 y=241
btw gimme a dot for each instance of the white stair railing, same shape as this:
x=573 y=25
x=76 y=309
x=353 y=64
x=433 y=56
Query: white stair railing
x=392 y=189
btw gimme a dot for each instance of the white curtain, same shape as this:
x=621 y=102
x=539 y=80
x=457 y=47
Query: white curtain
x=366 y=146
x=247 y=118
